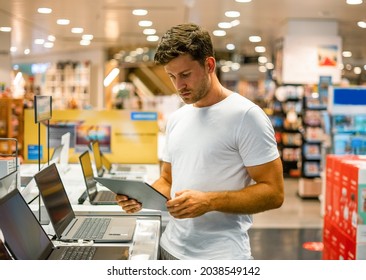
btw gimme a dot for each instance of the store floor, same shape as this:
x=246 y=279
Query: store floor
x=292 y=232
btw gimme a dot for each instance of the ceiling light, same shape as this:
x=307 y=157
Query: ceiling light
x=63 y=21
x=230 y=47
x=361 y=24
x=262 y=59
x=149 y=31
x=139 y=12
x=152 y=38
x=219 y=33
x=27 y=51
x=354 y=2
x=243 y=1
x=77 y=30
x=87 y=37
x=232 y=14
x=269 y=65
x=224 y=25
x=51 y=38
x=262 y=69
x=255 y=39
x=48 y=45
x=84 y=42
x=235 y=22
x=39 y=41
x=346 y=54
x=13 y=49
x=111 y=76
x=44 y=10
x=357 y=70
x=5 y=29
x=145 y=23
x=260 y=49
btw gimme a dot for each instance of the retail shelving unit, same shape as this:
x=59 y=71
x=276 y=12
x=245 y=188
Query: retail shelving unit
x=11 y=124
x=286 y=120
x=69 y=84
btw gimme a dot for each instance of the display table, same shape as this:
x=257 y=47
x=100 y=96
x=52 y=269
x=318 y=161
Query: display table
x=145 y=243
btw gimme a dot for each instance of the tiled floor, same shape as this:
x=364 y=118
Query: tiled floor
x=284 y=233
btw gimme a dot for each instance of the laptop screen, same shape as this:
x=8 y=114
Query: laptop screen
x=54 y=198
x=24 y=236
x=88 y=174
x=97 y=158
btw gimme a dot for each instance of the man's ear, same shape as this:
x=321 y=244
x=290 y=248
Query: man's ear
x=211 y=64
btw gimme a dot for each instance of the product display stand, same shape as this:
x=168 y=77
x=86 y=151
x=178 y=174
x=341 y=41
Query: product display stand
x=42 y=113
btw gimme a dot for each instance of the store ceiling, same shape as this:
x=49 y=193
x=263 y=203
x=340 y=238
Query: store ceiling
x=113 y=26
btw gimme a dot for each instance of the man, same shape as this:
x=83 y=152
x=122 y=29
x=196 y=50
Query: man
x=220 y=162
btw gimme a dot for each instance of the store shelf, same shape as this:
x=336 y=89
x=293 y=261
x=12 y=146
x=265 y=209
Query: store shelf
x=11 y=125
x=69 y=84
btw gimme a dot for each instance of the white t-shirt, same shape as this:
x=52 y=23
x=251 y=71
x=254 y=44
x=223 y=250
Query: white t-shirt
x=208 y=149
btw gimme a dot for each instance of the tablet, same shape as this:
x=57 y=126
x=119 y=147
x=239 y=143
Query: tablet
x=139 y=190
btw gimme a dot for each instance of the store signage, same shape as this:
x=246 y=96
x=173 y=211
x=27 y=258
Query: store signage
x=144 y=116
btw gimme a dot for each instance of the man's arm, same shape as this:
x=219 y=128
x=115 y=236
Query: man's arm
x=267 y=193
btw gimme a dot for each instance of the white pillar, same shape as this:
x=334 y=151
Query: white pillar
x=5 y=60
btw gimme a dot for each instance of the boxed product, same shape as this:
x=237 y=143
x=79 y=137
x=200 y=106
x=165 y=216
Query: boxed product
x=344 y=233
x=7 y=165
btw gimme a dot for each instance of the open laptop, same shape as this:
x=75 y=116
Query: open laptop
x=68 y=226
x=26 y=239
x=102 y=163
x=96 y=197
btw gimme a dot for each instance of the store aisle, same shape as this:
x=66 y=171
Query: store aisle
x=292 y=232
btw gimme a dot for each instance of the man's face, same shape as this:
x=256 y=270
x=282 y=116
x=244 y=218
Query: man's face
x=190 y=78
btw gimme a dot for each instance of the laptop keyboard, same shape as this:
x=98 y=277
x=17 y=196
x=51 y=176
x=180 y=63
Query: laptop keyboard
x=78 y=253
x=92 y=228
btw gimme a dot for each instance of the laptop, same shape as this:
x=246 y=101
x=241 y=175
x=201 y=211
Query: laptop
x=26 y=239
x=102 y=163
x=68 y=226
x=96 y=197
x=8 y=183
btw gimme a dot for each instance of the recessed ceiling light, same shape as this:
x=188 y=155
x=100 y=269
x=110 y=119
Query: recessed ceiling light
x=48 y=45
x=347 y=54
x=145 y=23
x=63 y=21
x=152 y=38
x=44 y=10
x=5 y=29
x=361 y=24
x=87 y=37
x=255 y=39
x=77 y=30
x=51 y=38
x=354 y=2
x=149 y=31
x=13 y=49
x=139 y=12
x=27 y=51
x=85 y=42
x=235 y=22
x=224 y=25
x=232 y=14
x=260 y=49
x=219 y=33
x=243 y=1
x=39 y=41
x=230 y=47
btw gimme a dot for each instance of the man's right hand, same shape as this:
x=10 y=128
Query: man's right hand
x=128 y=205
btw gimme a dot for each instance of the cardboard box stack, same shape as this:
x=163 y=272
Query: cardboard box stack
x=344 y=231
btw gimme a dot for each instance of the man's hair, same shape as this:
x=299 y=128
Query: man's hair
x=187 y=38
